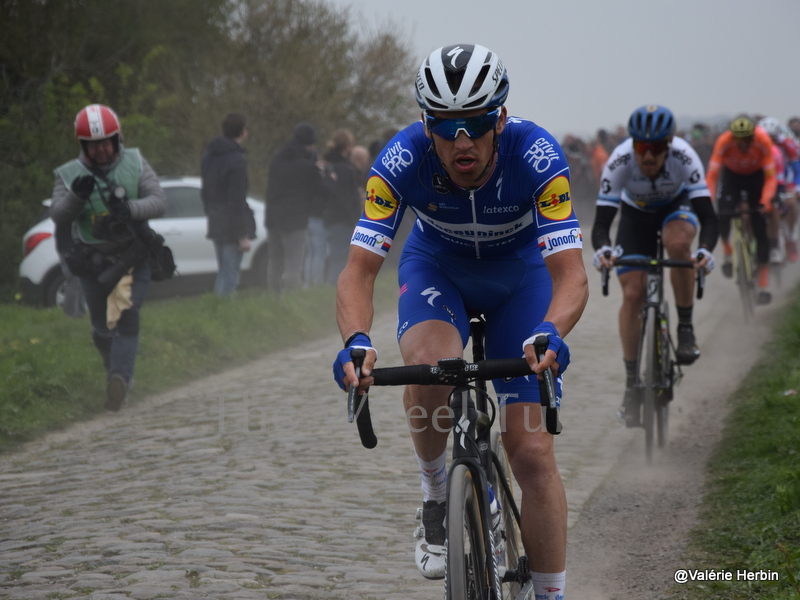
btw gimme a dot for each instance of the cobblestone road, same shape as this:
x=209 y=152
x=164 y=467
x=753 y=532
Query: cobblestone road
x=252 y=485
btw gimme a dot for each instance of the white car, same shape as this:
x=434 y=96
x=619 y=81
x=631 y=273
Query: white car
x=183 y=227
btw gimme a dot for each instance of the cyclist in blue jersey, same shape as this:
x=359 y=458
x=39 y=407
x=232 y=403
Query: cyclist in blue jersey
x=658 y=183
x=495 y=233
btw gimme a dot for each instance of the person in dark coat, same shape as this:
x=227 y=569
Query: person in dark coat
x=344 y=203
x=294 y=186
x=231 y=223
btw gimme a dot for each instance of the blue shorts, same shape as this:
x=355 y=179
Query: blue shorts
x=513 y=294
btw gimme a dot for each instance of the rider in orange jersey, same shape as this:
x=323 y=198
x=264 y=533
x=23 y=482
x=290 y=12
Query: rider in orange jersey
x=743 y=157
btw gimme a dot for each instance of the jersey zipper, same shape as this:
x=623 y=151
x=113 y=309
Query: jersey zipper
x=474 y=222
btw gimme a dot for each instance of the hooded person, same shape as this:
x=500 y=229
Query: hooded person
x=294 y=186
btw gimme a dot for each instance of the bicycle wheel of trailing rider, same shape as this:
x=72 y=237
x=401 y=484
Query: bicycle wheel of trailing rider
x=648 y=362
x=664 y=373
x=744 y=281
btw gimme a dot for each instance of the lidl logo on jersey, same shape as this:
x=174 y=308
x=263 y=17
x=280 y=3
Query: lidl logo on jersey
x=554 y=203
x=370 y=240
x=380 y=203
x=561 y=240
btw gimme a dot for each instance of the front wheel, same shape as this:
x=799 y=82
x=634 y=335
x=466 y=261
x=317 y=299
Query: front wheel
x=664 y=369
x=648 y=358
x=744 y=280
x=466 y=577
x=511 y=533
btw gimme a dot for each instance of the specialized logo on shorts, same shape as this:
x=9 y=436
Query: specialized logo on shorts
x=561 y=240
x=433 y=293
x=380 y=202
x=554 y=203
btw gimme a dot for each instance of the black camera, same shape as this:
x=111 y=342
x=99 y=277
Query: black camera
x=133 y=255
x=115 y=226
x=118 y=204
x=84 y=261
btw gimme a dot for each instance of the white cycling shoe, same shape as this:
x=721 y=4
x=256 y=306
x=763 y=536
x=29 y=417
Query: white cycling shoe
x=430 y=553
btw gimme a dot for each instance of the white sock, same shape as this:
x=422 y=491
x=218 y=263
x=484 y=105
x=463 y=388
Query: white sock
x=549 y=586
x=434 y=478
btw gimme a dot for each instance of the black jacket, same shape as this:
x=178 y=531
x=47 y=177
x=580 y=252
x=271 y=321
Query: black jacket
x=224 y=192
x=345 y=200
x=294 y=189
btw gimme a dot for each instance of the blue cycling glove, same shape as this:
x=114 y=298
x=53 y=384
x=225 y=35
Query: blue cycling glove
x=359 y=340
x=556 y=344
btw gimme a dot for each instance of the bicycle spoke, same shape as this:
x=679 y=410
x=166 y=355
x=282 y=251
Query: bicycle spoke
x=512 y=535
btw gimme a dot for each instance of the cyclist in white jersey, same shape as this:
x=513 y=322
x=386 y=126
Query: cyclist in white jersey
x=658 y=182
x=495 y=233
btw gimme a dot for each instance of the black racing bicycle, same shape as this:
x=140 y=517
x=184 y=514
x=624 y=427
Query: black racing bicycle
x=657 y=371
x=473 y=571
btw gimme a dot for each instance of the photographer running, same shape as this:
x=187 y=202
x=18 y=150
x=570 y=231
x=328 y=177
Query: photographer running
x=101 y=203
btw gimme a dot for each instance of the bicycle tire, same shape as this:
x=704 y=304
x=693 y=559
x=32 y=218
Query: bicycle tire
x=744 y=280
x=664 y=369
x=466 y=577
x=647 y=376
x=512 y=533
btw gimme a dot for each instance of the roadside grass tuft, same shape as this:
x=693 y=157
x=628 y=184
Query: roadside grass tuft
x=750 y=519
x=52 y=375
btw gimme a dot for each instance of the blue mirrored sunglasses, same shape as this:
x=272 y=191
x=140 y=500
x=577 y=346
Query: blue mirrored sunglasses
x=474 y=127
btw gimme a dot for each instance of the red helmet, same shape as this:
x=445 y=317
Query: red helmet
x=97 y=122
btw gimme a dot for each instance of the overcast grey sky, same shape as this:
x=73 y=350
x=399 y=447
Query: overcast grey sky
x=577 y=65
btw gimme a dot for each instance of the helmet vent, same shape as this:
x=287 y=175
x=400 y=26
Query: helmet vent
x=476 y=86
x=476 y=103
x=432 y=84
x=454 y=80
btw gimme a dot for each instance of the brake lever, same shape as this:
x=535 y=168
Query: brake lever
x=548 y=382
x=358 y=404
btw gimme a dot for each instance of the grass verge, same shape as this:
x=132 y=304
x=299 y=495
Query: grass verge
x=52 y=375
x=750 y=519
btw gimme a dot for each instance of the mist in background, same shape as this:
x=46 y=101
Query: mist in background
x=579 y=65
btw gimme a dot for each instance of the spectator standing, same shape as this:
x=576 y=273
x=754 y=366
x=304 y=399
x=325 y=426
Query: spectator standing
x=99 y=200
x=231 y=223
x=361 y=159
x=343 y=205
x=599 y=155
x=294 y=183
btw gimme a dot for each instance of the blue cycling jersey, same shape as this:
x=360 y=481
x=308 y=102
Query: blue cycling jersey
x=477 y=250
x=523 y=209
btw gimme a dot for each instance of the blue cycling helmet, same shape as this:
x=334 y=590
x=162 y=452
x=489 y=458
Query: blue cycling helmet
x=651 y=123
x=461 y=77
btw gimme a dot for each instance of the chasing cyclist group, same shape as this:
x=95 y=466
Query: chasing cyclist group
x=495 y=232
x=657 y=182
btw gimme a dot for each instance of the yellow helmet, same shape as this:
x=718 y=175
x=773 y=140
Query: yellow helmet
x=742 y=127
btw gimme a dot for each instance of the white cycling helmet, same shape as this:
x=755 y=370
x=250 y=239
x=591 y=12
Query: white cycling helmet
x=461 y=77
x=772 y=126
